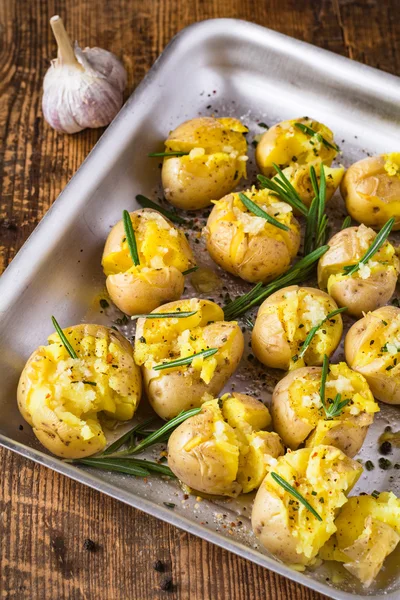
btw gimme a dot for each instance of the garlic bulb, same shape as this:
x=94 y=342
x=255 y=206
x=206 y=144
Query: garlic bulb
x=82 y=88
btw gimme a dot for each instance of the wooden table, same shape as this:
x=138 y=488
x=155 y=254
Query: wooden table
x=44 y=517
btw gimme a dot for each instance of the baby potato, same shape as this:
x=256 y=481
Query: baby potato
x=299 y=177
x=248 y=246
x=283 y=322
x=214 y=165
x=158 y=341
x=224 y=450
x=372 y=285
x=368 y=530
x=287 y=145
x=371 y=190
x=372 y=348
x=62 y=398
x=323 y=475
x=300 y=418
x=164 y=254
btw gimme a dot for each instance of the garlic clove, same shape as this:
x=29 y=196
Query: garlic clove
x=82 y=88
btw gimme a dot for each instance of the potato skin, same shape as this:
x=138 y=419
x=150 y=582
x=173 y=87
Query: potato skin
x=284 y=142
x=270 y=516
x=346 y=434
x=140 y=292
x=191 y=182
x=384 y=385
x=371 y=195
x=359 y=295
x=55 y=434
x=269 y=339
x=170 y=392
x=257 y=257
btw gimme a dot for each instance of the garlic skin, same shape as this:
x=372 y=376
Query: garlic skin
x=82 y=88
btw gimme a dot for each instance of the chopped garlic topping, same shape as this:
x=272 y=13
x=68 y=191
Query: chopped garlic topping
x=313 y=400
x=354 y=410
x=173 y=232
x=315 y=312
x=257 y=443
x=219 y=431
x=227 y=149
x=243 y=158
x=196 y=153
x=251 y=223
x=341 y=384
x=364 y=271
x=277 y=208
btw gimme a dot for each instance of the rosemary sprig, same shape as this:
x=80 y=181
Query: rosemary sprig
x=373 y=249
x=127 y=438
x=127 y=465
x=172 y=153
x=298 y=273
x=334 y=409
x=313 y=133
x=64 y=339
x=157 y=436
x=346 y=223
x=259 y=212
x=192 y=270
x=147 y=203
x=86 y=382
x=185 y=361
x=283 y=188
x=169 y=315
x=293 y=492
x=130 y=238
x=314 y=330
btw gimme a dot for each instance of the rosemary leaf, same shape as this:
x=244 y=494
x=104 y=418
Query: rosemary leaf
x=314 y=330
x=171 y=153
x=259 y=212
x=373 y=249
x=169 y=315
x=147 y=203
x=185 y=361
x=127 y=437
x=346 y=223
x=130 y=237
x=113 y=464
x=293 y=492
x=64 y=339
x=192 y=270
x=312 y=133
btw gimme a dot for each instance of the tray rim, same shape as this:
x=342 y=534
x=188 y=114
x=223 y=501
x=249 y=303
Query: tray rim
x=9 y=279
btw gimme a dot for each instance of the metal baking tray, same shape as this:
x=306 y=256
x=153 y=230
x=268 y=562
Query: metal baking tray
x=221 y=67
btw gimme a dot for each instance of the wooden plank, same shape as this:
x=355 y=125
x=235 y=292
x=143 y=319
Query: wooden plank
x=44 y=517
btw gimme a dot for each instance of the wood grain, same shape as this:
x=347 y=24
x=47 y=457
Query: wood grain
x=44 y=517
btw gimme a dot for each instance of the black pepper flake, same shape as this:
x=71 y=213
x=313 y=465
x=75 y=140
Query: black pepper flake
x=369 y=465
x=159 y=566
x=384 y=463
x=385 y=448
x=21 y=427
x=142 y=339
x=166 y=584
x=103 y=303
x=89 y=545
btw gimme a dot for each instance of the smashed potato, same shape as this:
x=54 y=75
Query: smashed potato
x=224 y=450
x=62 y=398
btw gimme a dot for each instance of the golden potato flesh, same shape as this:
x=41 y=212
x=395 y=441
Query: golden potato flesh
x=164 y=254
x=214 y=165
x=287 y=145
x=224 y=450
x=299 y=177
x=62 y=398
x=163 y=340
x=368 y=530
x=283 y=322
x=284 y=526
x=300 y=418
x=371 y=190
x=372 y=347
x=372 y=285
x=247 y=245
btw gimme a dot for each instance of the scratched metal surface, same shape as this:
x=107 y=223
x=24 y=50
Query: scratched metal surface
x=216 y=67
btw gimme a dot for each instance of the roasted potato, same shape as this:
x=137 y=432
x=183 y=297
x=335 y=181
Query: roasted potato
x=283 y=322
x=372 y=347
x=164 y=253
x=287 y=145
x=247 y=245
x=163 y=340
x=368 y=530
x=214 y=165
x=322 y=475
x=224 y=450
x=371 y=190
x=300 y=418
x=299 y=177
x=62 y=397
x=372 y=285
